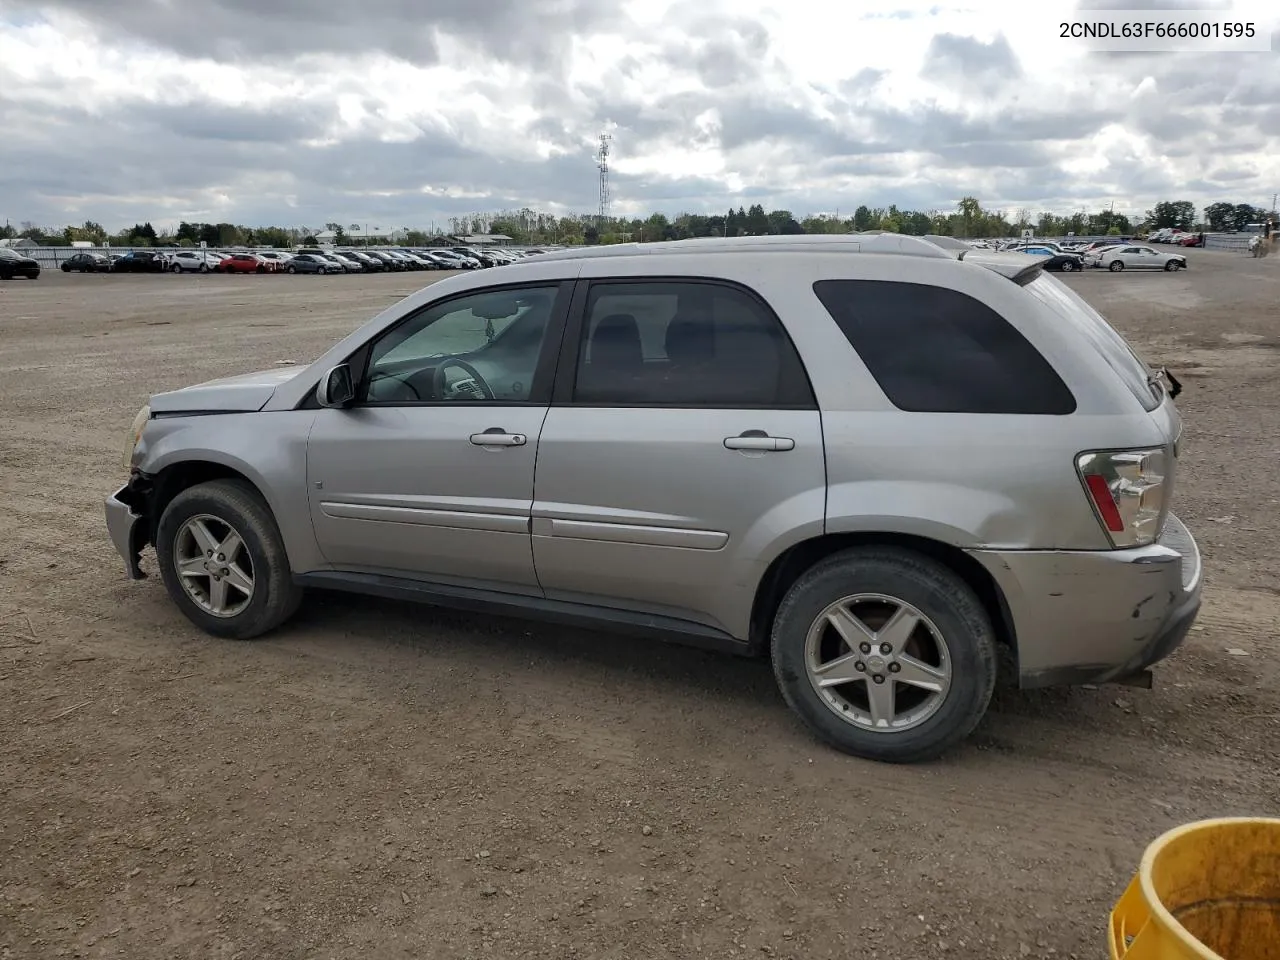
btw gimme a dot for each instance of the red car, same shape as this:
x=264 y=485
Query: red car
x=246 y=263
x=1190 y=240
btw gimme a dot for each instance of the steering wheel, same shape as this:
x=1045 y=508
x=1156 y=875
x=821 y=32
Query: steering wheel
x=440 y=385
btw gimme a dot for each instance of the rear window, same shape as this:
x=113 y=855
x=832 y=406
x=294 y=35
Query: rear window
x=935 y=350
x=1111 y=346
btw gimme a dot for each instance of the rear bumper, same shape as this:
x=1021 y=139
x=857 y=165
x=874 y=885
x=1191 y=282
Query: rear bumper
x=1097 y=616
x=128 y=529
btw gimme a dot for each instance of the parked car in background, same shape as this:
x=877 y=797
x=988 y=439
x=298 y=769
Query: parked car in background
x=390 y=262
x=245 y=263
x=371 y=264
x=826 y=515
x=1138 y=257
x=142 y=261
x=14 y=264
x=277 y=257
x=86 y=263
x=193 y=261
x=348 y=263
x=1058 y=259
x=310 y=263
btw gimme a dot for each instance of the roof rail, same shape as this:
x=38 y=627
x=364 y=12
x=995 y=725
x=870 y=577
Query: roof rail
x=871 y=242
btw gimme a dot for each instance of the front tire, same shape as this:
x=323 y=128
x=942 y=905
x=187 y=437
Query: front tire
x=1068 y=266
x=1116 y=266
x=223 y=560
x=896 y=615
x=291 y=269
x=1172 y=265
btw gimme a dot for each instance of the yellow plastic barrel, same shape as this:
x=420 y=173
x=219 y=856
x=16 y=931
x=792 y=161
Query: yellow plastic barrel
x=1208 y=890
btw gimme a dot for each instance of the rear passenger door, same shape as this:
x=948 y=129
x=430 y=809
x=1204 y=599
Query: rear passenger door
x=682 y=443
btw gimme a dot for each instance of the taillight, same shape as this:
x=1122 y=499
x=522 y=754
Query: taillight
x=1129 y=492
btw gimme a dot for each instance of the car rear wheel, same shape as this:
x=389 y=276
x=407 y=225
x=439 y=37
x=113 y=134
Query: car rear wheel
x=1116 y=266
x=885 y=654
x=176 y=268
x=223 y=560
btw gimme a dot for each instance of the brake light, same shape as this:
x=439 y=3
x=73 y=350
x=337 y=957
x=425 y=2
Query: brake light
x=1129 y=491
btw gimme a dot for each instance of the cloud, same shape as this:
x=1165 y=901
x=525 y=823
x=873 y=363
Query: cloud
x=408 y=111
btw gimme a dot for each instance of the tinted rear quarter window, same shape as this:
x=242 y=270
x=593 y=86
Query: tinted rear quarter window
x=936 y=350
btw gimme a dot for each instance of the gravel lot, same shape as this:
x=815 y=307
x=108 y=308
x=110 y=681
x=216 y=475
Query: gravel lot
x=394 y=781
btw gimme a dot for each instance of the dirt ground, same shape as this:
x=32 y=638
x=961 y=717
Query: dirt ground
x=383 y=780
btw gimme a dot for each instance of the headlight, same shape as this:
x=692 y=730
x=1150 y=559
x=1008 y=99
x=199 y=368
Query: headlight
x=135 y=434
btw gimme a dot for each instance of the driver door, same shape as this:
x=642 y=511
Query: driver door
x=429 y=474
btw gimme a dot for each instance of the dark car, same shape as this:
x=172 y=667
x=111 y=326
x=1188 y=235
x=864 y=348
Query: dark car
x=14 y=264
x=1066 y=262
x=371 y=264
x=142 y=261
x=389 y=261
x=87 y=263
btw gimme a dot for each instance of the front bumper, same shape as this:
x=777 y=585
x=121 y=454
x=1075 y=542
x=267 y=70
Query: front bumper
x=127 y=528
x=1098 y=615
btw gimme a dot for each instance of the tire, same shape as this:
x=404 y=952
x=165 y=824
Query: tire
x=1172 y=266
x=322 y=270
x=176 y=268
x=66 y=268
x=290 y=269
x=1115 y=266
x=955 y=625
x=223 y=507
x=260 y=270
x=204 y=268
x=1068 y=266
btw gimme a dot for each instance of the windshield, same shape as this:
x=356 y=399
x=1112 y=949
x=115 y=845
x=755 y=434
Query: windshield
x=1113 y=348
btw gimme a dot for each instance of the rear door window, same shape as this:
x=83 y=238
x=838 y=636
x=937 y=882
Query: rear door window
x=936 y=350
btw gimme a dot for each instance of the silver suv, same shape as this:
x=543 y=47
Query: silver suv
x=876 y=459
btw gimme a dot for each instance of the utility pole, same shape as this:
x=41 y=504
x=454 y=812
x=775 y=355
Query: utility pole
x=602 y=163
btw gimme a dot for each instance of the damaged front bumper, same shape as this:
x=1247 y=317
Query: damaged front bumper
x=128 y=526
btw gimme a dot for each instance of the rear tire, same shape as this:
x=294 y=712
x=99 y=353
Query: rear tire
x=226 y=509
x=176 y=268
x=951 y=645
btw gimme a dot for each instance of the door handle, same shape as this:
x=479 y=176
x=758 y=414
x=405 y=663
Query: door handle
x=759 y=440
x=497 y=437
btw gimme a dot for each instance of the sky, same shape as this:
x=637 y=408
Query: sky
x=404 y=113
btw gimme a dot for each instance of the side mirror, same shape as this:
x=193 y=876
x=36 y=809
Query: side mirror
x=336 y=389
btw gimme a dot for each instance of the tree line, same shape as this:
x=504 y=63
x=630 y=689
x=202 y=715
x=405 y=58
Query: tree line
x=969 y=220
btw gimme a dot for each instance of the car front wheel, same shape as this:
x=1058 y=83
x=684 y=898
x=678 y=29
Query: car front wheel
x=1068 y=266
x=223 y=560
x=1172 y=265
x=1116 y=266
x=885 y=654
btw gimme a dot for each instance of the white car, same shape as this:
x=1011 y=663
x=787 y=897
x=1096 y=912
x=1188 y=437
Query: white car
x=1137 y=257
x=193 y=261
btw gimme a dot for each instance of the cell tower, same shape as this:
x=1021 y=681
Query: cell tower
x=602 y=162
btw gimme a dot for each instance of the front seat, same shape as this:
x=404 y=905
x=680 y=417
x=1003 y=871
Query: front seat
x=615 y=361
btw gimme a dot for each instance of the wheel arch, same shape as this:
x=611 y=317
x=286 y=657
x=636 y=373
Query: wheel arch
x=788 y=566
x=182 y=475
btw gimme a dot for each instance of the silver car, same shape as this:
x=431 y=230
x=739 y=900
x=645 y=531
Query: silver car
x=877 y=460
x=1138 y=257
